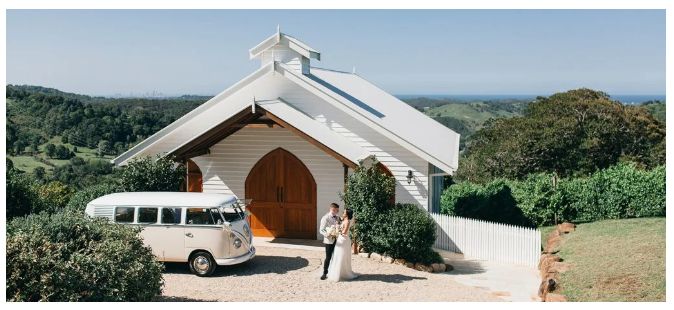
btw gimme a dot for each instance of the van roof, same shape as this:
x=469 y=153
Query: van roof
x=172 y=199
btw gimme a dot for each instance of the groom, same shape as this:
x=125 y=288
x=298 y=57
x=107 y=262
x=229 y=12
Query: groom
x=329 y=219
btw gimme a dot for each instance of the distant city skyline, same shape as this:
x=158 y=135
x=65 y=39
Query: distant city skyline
x=438 y=52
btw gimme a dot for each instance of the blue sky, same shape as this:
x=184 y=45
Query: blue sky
x=127 y=52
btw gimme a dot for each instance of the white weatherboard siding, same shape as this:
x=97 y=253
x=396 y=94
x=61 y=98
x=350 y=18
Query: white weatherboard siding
x=225 y=169
x=394 y=156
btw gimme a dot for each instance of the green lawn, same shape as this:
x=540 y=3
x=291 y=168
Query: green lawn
x=29 y=163
x=615 y=260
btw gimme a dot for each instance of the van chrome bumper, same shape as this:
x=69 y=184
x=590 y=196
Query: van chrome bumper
x=236 y=260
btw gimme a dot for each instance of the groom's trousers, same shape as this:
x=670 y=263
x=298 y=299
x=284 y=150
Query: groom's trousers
x=329 y=248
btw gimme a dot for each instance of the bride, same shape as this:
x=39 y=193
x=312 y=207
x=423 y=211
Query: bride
x=340 y=264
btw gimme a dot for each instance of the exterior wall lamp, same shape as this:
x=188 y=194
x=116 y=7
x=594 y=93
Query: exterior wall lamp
x=410 y=176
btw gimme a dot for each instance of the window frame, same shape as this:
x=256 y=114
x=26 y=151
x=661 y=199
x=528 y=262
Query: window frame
x=204 y=225
x=133 y=217
x=182 y=216
x=137 y=217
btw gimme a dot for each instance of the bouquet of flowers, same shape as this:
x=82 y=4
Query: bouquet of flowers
x=333 y=231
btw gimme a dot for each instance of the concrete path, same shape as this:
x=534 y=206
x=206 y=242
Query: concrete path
x=510 y=282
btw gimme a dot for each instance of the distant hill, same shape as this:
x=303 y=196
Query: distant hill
x=466 y=117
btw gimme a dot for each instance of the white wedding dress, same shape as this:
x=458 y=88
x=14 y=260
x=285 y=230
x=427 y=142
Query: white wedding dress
x=340 y=264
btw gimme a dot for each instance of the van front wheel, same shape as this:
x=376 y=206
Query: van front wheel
x=202 y=264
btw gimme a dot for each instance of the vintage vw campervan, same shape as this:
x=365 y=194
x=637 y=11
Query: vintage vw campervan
x=204 y=230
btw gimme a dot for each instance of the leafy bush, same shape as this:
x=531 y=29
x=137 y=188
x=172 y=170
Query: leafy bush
x=21 y=196
x=53 y=196
x=400 y=231
x=491 y=202
x=148 y=174
x=78 y=202
x=621 y=191
x=406 y=231
x=368 y=195
x=69 y=257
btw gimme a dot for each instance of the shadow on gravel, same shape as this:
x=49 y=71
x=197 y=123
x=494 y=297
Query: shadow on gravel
x=388 y=278
x=466 y=267
x=258 y=265
x=178 y=299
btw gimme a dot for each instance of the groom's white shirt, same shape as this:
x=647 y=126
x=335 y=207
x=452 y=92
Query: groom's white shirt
x=326 y=221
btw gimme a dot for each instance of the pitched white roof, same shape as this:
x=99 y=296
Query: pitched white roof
x=348 y=92
x=173 y=199
x=385 y=113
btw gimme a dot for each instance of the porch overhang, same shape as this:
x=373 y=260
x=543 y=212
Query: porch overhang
x=271 y=113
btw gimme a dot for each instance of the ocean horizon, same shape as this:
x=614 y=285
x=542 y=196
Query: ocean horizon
x=625 y=98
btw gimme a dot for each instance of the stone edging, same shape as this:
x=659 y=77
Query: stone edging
x=551 y=265
x=432 y=268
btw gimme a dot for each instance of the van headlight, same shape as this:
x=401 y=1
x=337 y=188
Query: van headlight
x=237 y=243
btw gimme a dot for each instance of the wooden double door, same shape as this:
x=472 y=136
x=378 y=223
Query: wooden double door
x=283 y=194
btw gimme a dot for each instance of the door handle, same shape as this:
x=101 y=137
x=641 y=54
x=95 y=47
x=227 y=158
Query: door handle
x=282 y=194
x=189 y=235
x=278 y=196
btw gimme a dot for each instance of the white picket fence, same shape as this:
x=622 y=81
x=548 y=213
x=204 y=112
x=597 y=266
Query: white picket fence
x=488 y=241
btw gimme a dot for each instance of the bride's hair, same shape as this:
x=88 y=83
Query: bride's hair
x=349 y=213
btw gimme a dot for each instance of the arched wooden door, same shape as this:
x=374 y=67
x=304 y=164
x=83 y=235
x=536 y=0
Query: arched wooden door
x=283 y=194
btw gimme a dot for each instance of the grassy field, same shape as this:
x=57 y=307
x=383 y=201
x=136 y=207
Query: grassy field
x=29 y=163
x=615 y=260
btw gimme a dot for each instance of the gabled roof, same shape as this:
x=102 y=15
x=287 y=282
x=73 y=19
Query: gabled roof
x=124 y=157
x=280 y=38
x=385 y=113
x=348 y=92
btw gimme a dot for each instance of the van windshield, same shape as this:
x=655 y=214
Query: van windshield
x=233 y=212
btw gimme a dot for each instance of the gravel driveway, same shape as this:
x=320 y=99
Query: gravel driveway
x=282 y=274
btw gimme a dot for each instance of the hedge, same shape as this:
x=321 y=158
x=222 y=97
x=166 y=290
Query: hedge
x=621 y=191
x=69 y=257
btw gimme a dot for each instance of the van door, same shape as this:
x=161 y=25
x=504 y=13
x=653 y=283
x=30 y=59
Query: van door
x=172 y=232
x=204 y=231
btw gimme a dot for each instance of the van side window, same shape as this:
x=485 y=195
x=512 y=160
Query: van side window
x=171 y=215
x=148 y=215
x=203 y=216
x=124 y=214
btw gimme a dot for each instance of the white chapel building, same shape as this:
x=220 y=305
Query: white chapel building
x=287 y=135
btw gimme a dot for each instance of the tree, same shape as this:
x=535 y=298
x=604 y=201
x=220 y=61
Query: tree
x=103 y=147
x=50 y=150
x=62 y=152
x=39 y=173
x=571 y=133
x=152 y=174
x=21 y=197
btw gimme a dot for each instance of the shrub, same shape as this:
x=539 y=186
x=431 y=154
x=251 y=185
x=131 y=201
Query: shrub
x=491 y=202
x=406 y=231
x=621 y=191
x=148 y=174
x=69 y=257
x=400 y=231
x=53 y=196
x=21 y=196
x=78 y=202
x=368 y=195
